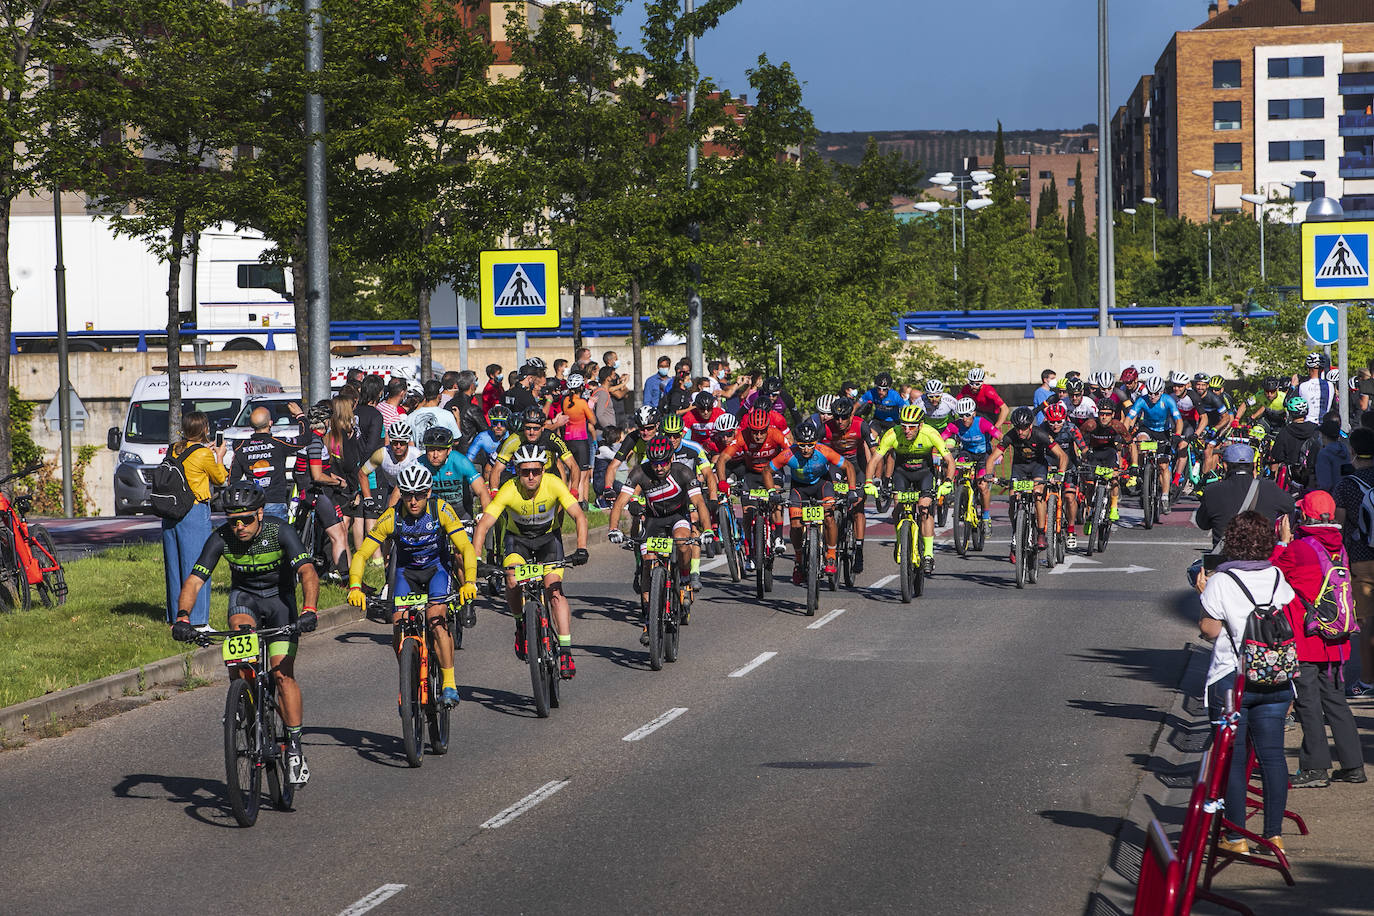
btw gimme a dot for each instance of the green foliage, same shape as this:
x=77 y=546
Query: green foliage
x=46 y=487
x=921 y=361
x=23 y=450
x=1082 y=286
x=1276 y=346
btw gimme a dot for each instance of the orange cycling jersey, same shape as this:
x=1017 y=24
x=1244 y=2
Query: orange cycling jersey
x=756 y=456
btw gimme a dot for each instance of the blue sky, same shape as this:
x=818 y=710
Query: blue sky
x=905 y=64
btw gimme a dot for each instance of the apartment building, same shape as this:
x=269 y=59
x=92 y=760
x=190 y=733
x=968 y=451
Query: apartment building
x=1131 y=148
x=1272 y=97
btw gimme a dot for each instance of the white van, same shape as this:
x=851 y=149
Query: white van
x=387 y=366
x=142 y=441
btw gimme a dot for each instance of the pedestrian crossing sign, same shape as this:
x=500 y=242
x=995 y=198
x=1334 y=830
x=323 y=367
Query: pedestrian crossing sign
x=1335 y=260
x=519 y=290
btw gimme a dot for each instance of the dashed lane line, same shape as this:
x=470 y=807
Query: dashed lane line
x=655 y=724
x=372 y=900
x=826 y=619
x=763 y=657
x=883 y=581
x=525 y=804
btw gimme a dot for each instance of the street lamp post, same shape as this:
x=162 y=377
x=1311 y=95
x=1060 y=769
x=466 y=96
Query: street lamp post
x=955 y=224
x=1327 y=209
x=1258 y=201
x=1154 y=249
x=1207 y=174
x=1130 y=211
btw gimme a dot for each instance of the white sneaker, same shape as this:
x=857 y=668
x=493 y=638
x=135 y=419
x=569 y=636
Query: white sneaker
x=780 y=545
x=205 y=628
x=1071 y=541
x=297 y=770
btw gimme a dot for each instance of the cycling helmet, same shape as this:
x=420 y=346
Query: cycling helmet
x=1333 y=376
x=976 y=376
x=703 y=400
x=243 y=496
x=320 y=414
x=415 y=479
x=844 y=408
x=1155 y=385
x=882 y=380
x=534 y=363
x=1074 y=386
x=437 y=437
x=1201 y=377
x=1178 y=378
x=575 y=382
x=660 y=448
x=1062 y=384
x=401 y=429
x=825 y=404
x=726 y=423
x=807 y=434
x=1354 y=383
x=671 y=425
x=911 y=415
x=1216 y=382
x=1285 y=384
x=1296 y=404
x=1314 y=360
x=1271 y=384
x=1129 y=375
x=1107 y=378
x=1056 y=413
x=499 y=414
x=965 y=407
x=1022 y=418
x=935 y=386
x=532 y=416
x=757 y=420
x=529 y=454
x=1108 y=406
x=646 y=416
x=772 y=385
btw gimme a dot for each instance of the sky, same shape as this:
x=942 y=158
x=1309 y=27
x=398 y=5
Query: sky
x=910 y=64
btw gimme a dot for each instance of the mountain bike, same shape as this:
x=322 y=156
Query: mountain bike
x=731 y=534
x=254 y=733
x=541 y=641
x=969 y=530
x=813 y=564
x=312 y=534
x=846 y=545
x=758 y=517
x=1097 y=527
x=28 y=556
x=1151 y=487
x=1023 y=531
x=669 y=597
x=908 y=515
x=1054 y=522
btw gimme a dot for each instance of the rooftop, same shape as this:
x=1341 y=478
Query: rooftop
x=1260 y=14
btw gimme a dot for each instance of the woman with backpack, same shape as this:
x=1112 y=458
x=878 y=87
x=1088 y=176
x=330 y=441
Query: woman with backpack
x=1244 y=586
x=184 y=538
x=1323 y=620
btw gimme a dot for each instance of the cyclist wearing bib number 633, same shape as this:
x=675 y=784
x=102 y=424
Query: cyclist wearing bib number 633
x=265 y=558
x=914 y=447
x=425 y=531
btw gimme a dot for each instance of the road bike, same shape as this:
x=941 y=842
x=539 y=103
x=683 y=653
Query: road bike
x=813 y=564
x=1097 y=526
x=541 y=641
x=254 y=733
x=28 y=556
x=1023 y=531
x=730 y=533
x=969 y=530
x=758 y=516
x=670 y=600
x=908 y=516
x=846 y=544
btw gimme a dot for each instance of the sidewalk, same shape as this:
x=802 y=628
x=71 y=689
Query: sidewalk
x=1332 y=865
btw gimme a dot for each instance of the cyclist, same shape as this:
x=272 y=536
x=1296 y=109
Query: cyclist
x=670 y=492
x=1070 y=442
x=914 y=446
x=1078 y=406
x=986 y=398
x=425 y=532
x=825 y=411
x=700 y=420
x=811 y=467
x=692 y=456
x=852 y=438
x=631 y=448
x=1105 y=435
x=578 y=429
x=1268 y=404
x=527 y=505
x=884 y=403
x=558 y=459
x=390 y=460
x=974 y=435
x=936 y=402
x=265 y=557
x=757 y=442
x=487 y=443
x=455 y=479
x=1128 y=389
x=1156 y=416
x=314 y=471
x=1296 y=445
x=1321 y=395
x=1031 y=450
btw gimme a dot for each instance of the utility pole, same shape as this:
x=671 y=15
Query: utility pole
x=1106 y=279
x=64 y=385
x=694 y=331
x=316 y=213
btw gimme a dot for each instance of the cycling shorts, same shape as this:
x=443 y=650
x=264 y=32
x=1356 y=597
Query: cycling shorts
x=266 y=611
x=906 y=480
x=581 y=451
x=1029 y=471
x=327 y=512
x=543 y=548
x=1101 y=458
x=980 y=461
x=434 y=581
x=371 y=507
x=752 y=480
x=820 y=491
x=667 y=526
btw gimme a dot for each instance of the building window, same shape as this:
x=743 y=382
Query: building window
x=1226 y=157
x=1294 y=109
x=1073 y=182
x=1295 y=150
x=1225 y=74
x=1046 y=174
x=1309 y=190
x=1288 y=67
x=1226 y=116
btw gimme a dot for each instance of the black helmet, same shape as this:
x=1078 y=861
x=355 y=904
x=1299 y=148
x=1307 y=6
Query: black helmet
x=772 y=385
x=320 y=414
x=1271 y=383
x=243 y=496
x=1022 y=417
x=704 y=400
x=882 y=380
x=499 y=414
x=660 y=448
x=807 y=434
x=533 y=416
x=1074 y=386
x=437 y=437
x=844 y=408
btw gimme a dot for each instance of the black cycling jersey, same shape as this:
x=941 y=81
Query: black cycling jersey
x=264 y=566
x=1034 y=449
x=263 y=459
x=670 y=496
x=632 y=443
x=1069 y=439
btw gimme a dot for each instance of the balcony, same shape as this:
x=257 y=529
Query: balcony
x=1356 y=83
x=1357 y=125
x=1357 y=166
x=1360 y=206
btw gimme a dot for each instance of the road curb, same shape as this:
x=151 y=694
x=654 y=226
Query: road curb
x=24 y=718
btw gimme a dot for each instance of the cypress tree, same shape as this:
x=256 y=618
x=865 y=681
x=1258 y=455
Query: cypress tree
x=1078 y=245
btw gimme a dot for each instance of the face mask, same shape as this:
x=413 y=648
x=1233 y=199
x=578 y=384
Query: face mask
x=665 y=371
x=499 y=377
x=722 y=374
x=563 y=374
x=615 y=365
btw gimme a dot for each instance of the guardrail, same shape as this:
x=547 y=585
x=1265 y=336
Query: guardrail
x=1133 y=316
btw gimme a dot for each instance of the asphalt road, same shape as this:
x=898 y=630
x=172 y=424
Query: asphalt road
x=969 y=753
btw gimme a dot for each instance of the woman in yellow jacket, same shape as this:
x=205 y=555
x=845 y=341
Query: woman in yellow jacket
x=182 y=541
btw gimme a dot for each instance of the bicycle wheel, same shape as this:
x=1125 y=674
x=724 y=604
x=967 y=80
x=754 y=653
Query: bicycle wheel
x=1147 y=489
x=904 y=559
x=1104 y=528
x=846 y=552
x=52 y=590
x=1032 y=552
x=658 y=595
x=673 y=618
x=725 y=527
x=1095 y=516
x=1018 y=545
x=534 y=655
x=760 y=554
x=811 y=549
x=980 y=534
x=14 y=579
x=942 y=512
x=243 y=777
x=280 y=789
x=411 y=709
x=1052 y=533
x=437 y=713
x=962 y=534
x=918 y=563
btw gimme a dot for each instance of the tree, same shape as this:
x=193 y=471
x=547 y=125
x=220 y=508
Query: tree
x=1078 y=246
x=879 y=177
x=1049 y=204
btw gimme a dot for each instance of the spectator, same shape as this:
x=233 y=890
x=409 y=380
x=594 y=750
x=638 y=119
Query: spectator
x=429 y=413
x=656 y=385
x=582 y=358
x=722 y=386
x=371 y=424
x=354 y=376
x=264 y=458
x=603 y=400
x=1333 y=456
x=678 y=396
x=610 y=437
x=449 y=388
x=1349 y=495
x=1240 y=490
x=525 y=392
x=493 y=393
x=184 y=539
x=466 y=407
x=560 y=370
x=346 y=456
x=579 y=430
x=1227 y=594
x=618 y=386
x=391 y=407
x=350 y=391
x=1320 y=700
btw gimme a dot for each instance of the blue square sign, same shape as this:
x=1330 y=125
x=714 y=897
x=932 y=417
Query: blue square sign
x=1342 y=261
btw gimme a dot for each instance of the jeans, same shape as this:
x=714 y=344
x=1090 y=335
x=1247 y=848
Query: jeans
x=182 y=543
x=1261 y=720
x=1321 y=702
x=276 y=509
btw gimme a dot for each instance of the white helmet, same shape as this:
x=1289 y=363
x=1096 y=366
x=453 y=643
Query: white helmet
x=401 y=429
x=415 y=479
x=1178 y=378
x=935 y=386
x=575 y=382
x=528 y=454
x=726 y=422
x=825 y=404
x=1108 y=379
x=965 y=407
x=1154 y=384
x=1334 y=376
x=976 y=375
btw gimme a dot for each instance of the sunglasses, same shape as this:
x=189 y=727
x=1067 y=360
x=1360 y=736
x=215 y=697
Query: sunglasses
x=531 y=472
x=241 y=521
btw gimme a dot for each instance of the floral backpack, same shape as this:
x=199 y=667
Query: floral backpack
x=1269 y=657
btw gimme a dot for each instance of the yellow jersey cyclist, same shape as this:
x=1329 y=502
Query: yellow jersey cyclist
x=265 y=557
x=425 y=531
x=558 y=458
x=905 y=460
x=528 y=508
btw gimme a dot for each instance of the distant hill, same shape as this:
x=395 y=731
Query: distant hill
x=941 y=150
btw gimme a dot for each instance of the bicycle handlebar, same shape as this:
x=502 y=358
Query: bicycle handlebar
x=210 y=636
x=25 y=472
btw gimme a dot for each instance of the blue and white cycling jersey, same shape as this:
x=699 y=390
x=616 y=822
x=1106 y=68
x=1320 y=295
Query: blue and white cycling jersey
x=885 y=408
x=1158 y=417
x=483 y=448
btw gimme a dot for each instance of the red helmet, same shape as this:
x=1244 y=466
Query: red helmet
x=1129 y=375
x=757 y=420
x=1056 y=413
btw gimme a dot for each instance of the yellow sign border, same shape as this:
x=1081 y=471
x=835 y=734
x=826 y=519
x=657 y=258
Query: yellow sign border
x=486 y=293
x=1310 y=291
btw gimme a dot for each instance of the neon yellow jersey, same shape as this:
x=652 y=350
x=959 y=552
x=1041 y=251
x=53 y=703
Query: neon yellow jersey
x=533 y=515
x=922 y=446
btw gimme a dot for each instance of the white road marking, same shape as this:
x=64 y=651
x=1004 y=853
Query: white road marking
x=1058 y=570
x=655 y=724
x=763 y=657
x=714 y=564
x=883 y=581
x=826 y=619
x=525 y=804
x=374 y=899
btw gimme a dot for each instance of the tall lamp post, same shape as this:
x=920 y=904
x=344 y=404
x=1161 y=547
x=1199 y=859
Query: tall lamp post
x=1207 y=174
x=1327 y=209
x=1258 y=201
x=955 y=224
x=1130 y=211
x=1154 y=249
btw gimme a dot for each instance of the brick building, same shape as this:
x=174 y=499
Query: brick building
x=1131 y=147
x=1259 y=93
